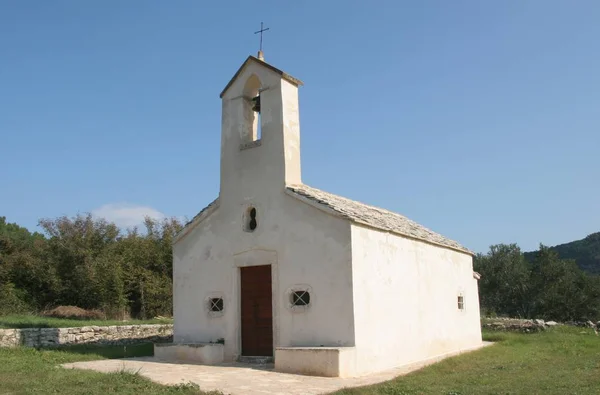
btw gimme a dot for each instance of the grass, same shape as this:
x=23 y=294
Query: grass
x=27 y=370
x=34 y=321
x=563 y=360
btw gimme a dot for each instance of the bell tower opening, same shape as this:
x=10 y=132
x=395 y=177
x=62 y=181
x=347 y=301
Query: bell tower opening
x=252 y=119
x=256 y=109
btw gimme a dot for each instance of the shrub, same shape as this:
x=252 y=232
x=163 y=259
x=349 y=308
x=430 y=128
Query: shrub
x=12 y=300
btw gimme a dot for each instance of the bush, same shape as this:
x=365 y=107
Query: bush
x=12 y=300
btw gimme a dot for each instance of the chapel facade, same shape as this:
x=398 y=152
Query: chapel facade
x=276 y=270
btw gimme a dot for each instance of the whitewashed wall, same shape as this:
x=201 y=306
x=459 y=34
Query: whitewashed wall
x=405 y=295
x=305 y=248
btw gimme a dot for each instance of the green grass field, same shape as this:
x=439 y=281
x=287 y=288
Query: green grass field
x=27 y=370
x=559 y=361
x=34 y=321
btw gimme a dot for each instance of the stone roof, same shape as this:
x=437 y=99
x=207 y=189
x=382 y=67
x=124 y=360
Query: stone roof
x=205 y=209
x=373 y=216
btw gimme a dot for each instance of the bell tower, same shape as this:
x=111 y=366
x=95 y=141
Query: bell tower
x=260 y=131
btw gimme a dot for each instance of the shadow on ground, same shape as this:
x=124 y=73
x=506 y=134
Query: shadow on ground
x=144 y=349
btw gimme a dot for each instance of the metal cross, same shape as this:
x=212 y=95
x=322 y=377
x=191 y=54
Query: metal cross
x=261 y=32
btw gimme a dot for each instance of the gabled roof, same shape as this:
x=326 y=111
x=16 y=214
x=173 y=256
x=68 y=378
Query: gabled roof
x=371 y=216
x=251 y=58
x=351 y=210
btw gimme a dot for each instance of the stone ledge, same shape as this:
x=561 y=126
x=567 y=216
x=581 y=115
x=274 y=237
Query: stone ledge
x=255 y=360
x=316 y=361
x=201 y=353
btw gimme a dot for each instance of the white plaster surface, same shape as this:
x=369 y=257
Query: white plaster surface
x=405 y=300
x=207 y=263
x=240 y=379
x=317 y=361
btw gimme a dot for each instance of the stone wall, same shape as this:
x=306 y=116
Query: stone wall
x=49 y=337
x=530 y=326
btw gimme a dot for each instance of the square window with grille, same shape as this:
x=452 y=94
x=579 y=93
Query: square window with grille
x=461 y=302
x=215 y=304
x=300 y=298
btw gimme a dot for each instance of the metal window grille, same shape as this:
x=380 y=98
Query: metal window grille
x=300 y=298
x=216 y=304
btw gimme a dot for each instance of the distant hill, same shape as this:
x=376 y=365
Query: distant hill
x=585 y=252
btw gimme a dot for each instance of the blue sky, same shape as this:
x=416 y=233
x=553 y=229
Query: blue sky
x=478 y=119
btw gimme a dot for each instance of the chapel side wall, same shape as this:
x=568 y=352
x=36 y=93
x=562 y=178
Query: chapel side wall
x=405 y=300
x=312 y=250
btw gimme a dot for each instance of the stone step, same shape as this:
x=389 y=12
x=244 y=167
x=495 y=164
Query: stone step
x=255 y=360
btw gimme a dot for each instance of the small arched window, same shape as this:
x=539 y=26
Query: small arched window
x=250 y=219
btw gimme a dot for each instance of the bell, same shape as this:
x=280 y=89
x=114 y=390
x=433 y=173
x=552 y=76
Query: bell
x=256 y=104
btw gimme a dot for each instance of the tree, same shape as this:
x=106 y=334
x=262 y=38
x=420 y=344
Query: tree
x=75 y=250
x=24 y=275
x=561 y=291
x=549 y=287
x=504 y=284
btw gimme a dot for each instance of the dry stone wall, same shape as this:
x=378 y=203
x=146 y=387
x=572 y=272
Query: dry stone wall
x=530 y=326
x=119 y=334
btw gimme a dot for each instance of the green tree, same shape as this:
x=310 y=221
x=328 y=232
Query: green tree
x=76 y=249
x=148 y=261
x=504 y=284
x=113 y=301
x=561 y=291
x=23 y=272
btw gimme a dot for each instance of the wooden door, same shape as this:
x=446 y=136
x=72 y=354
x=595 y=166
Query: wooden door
x=257 y=311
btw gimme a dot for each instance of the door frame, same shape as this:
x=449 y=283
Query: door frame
x=256 y=257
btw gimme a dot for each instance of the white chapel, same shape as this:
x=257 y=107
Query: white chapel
x=276 y=270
